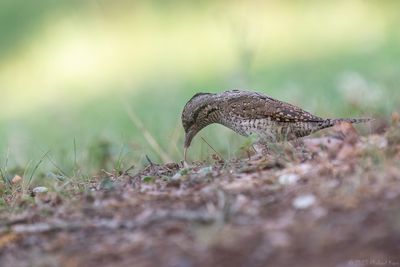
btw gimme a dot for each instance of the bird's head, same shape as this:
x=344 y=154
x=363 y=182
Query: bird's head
x=195 y=116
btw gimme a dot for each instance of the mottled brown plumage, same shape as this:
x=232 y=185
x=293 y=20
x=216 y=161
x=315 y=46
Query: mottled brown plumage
x=249 y=113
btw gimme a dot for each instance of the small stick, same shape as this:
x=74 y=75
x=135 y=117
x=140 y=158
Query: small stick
x=149 y=160
x=219 y=155
x=108 y=173
x=129 y=169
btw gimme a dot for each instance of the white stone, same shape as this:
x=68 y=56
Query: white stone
x=304 y=201
x=288 y=179
x=176 y=177
x=40 y=189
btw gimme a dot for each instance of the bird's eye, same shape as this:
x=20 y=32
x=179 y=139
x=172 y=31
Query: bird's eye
x=187 y=123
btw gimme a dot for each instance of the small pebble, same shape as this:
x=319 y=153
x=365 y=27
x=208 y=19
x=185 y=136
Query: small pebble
x=176 y=177
x=16 y=179
x=304 y=201
x=40 y=189
x=288 y=179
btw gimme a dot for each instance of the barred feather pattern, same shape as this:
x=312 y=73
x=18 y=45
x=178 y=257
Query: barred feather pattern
x=252 y=113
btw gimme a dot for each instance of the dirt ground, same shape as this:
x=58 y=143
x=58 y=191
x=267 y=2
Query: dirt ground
x=328 y=201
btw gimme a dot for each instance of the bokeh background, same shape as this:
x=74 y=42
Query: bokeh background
x=100 y=84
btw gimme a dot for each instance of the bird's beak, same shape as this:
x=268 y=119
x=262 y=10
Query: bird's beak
x=188 y=140
x=185 y=153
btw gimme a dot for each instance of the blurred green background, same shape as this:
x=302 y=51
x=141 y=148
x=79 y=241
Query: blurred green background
x=92 y=82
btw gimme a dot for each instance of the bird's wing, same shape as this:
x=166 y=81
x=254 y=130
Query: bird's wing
x=259 y=106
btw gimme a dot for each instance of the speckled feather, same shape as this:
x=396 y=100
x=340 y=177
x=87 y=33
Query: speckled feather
x=248 y=113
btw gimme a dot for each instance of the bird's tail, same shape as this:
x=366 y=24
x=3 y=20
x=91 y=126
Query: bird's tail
x=331 y=122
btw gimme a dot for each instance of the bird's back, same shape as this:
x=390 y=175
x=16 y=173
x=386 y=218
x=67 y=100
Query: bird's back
x=252 y=113
x=273 y=120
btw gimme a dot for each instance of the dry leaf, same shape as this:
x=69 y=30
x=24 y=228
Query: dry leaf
x=7 y=238
x=395 y=118
x=16 y=180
